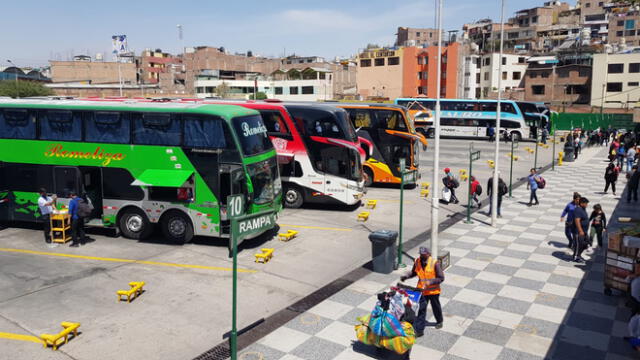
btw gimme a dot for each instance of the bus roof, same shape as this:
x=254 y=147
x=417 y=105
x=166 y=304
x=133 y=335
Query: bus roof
x=469 y=100
x=226 y=111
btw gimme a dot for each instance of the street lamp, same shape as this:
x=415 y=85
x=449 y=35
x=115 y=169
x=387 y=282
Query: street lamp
x=17 y=89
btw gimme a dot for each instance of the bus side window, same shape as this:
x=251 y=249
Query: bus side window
x=275 y=124
x=156 y=129
x=360 y=118
x=108 y=127
x=17 y=124
x=60 y=125
x=206 y=132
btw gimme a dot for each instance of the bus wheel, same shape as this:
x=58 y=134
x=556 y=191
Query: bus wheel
x=176 y=227
x=134 y=224
x=293 y=197
x=368 y=176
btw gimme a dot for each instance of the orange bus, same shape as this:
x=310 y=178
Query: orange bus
x=392 y=134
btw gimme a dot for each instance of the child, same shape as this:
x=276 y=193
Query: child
x=598 y=224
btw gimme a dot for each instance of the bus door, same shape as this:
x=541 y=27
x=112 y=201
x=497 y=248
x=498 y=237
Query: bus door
x=65 y=180
x=393 y=147
x=92 y=186
x=4 y=196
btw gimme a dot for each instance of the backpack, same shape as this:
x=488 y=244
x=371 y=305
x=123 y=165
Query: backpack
x=541 y=182
x=621 y=151
x=479 y=189
x=84 y=209
x=502 y=188
x=456 y=183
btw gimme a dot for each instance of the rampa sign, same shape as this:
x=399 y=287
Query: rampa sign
x=256 y=224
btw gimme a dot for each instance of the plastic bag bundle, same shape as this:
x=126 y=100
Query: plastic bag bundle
x=383 y=323
x=397 y=344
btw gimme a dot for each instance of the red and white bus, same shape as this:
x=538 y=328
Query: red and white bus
x=319 y=153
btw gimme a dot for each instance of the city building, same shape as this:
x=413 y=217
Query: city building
x=560 y=81
x=417 y=36
x=528 y=23
x=304 y=60
x=28 y=74
x=481 y=74
x=407 y=72
x=152 y=63
x=93 y=72
x=616 y=80
x=309 y=84
x=624 y=26
x=485 y=34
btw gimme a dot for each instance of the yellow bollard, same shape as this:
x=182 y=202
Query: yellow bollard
x=560 y=157
x=425 y=185
x=491 y=164
x=424 y=193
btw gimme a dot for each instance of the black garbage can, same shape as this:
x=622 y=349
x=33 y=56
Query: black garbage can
x=569 y=152
x=383 y=250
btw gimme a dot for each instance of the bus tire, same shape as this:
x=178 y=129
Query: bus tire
x=134 y=224
x=368 y=178
x=293 y=197
x=176 y=227
x=516 y=136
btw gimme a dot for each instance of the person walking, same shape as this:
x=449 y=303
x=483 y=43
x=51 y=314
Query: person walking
x=502 y=191
x=631 y=157
x=598 y=224
x=532 y=185
x=491 y=131
x=581 y=221
x=632 y=184
x=620 y=156
x=430 y=276
x=611 y=177
x=77 y=222
x=569 y=213
x=476 y=190
x=451 y=183
x=45 y=203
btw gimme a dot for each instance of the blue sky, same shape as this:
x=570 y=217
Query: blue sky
x=36 y=31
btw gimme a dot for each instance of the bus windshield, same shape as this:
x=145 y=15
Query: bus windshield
x=265 y=181
x=252 y=135
x=322 y=123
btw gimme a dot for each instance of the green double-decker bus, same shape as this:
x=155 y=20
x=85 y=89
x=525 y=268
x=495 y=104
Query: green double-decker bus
x=141 y=164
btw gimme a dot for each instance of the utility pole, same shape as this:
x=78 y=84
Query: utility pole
x=435 y=199
x=494 y=193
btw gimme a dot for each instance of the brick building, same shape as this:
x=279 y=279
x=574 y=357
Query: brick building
x=562 y=81
x=407 y=72
x=624 y=26
x=407 y=36
x=93 y=72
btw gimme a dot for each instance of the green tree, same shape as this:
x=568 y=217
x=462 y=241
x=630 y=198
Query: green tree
x=223 y=90
x=21 y=89
x=259 y=95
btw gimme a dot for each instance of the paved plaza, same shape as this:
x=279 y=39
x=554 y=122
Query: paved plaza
x=511 y=292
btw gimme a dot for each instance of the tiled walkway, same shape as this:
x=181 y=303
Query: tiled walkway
x=509 y=294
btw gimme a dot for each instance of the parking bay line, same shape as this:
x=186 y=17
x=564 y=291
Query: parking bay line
x=316 y=227
x=20 y=337
x=146 y=262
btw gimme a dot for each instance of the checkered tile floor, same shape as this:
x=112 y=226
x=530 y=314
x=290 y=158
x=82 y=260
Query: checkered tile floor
x=509 y=294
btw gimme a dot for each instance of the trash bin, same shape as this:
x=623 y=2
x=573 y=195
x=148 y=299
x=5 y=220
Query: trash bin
x=568 y=152
x=383 y=250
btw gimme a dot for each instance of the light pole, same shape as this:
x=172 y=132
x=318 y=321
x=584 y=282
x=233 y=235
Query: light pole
x=494 y=193
x=435 y=199
x=18 y=69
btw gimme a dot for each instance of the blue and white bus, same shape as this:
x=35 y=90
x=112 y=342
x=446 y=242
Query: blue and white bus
x=467 y=118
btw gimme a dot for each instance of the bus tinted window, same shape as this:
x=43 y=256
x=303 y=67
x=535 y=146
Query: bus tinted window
x=60 y=125
x=156 y=129
x=390 y=119
x=119 y=185
x=108 y=127
x=361 y=118
x=493 y=106
x=17 y=124
x=274 y=122
x=206 y=132
x=252 y=134
x=457 y=105
x=316 y=122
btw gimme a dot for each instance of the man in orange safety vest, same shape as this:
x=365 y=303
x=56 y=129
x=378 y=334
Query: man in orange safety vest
x=430 y=276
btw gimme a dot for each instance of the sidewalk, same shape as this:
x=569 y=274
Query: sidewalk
x=510 y=292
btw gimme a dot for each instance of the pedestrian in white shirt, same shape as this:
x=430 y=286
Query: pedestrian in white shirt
x=45 y=203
